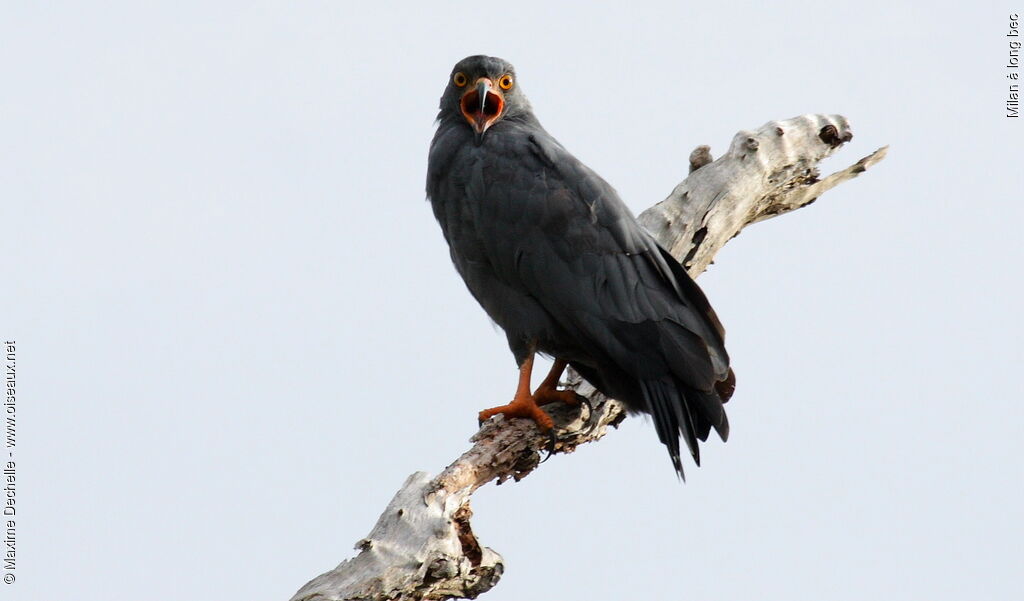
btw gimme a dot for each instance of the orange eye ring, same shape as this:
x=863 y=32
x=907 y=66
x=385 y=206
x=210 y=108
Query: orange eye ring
x=505 y=83
x=460 y=79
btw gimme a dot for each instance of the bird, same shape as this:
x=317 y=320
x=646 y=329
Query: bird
x=558 y=261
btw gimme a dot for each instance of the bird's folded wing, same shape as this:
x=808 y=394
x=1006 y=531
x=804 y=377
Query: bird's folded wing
x=561 y=232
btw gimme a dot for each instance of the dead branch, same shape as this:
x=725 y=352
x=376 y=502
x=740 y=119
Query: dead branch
x=423 y=546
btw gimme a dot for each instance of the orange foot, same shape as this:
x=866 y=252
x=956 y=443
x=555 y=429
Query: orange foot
x=525 y=404
x=543 y=396
x=522 y=406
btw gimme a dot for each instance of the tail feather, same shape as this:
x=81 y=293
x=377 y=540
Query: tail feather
x=710 y=412
x=672 y=418
x=683 y=412
x=665 y=422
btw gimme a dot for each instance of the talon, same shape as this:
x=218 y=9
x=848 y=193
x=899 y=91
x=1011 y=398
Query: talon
x=585 y=401
x=550 y=448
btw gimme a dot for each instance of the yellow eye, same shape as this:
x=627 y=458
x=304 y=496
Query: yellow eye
x=505 y=82
x=460 y=79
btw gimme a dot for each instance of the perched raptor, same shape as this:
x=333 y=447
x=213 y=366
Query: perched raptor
x=556 y=259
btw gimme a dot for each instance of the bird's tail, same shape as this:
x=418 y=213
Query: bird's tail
x=680 y=411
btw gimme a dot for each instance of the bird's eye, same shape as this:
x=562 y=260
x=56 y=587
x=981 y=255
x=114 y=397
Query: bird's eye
x=505 y=82
x=460 y=79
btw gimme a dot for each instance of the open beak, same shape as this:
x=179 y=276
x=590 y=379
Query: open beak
x=482 y=105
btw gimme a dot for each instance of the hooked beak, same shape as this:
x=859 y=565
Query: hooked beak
x=481 y=106
x=482 y=87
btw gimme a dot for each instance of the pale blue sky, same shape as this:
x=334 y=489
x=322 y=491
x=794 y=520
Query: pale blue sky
x=239 y=330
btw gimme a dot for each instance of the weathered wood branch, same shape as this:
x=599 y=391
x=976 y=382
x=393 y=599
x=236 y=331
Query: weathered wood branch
x=423 y=546
x=765 y=173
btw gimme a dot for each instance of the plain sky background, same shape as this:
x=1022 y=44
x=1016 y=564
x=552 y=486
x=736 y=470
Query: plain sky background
x=238 y=328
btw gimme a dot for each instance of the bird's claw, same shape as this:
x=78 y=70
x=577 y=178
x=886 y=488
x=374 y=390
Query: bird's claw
x=585 y=401
x=550 y=447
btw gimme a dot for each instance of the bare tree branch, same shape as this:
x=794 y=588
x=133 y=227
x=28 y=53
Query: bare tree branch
x=423 y=546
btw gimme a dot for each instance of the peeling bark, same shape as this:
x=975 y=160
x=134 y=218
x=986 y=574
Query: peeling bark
x=423 y=546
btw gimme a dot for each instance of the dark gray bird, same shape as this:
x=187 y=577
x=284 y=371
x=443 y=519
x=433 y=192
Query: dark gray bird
x=558 y=261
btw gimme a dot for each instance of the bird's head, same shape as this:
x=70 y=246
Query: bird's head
x=481 y=91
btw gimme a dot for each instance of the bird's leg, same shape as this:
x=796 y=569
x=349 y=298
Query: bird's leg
x=548 y=391
x=523 y=403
